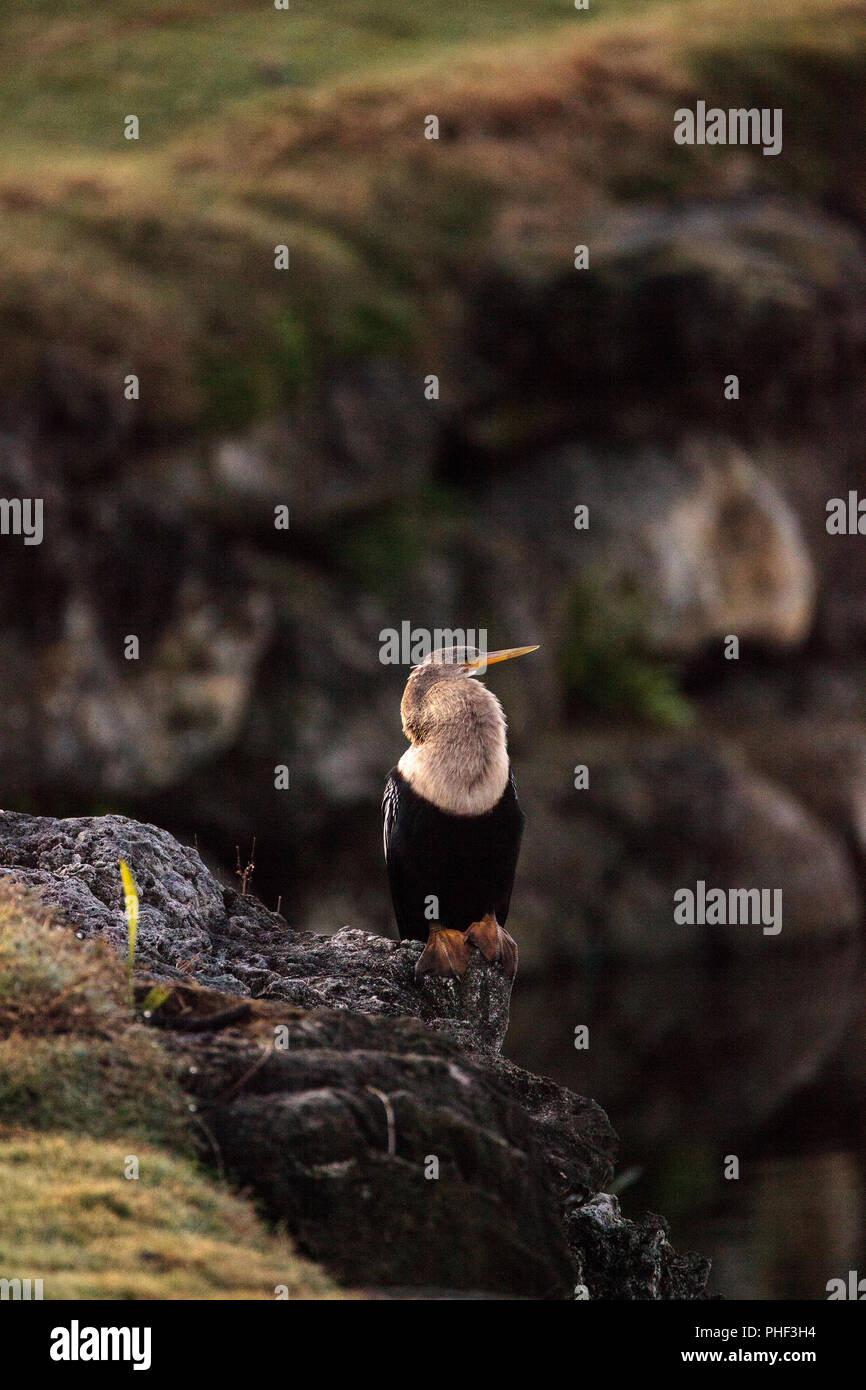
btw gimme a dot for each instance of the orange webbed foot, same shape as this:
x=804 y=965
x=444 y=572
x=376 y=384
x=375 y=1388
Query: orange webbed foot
x=494 y=943
x=445 y=956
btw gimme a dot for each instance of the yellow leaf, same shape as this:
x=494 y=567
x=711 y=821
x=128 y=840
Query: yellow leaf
x=154 y=998
x=130 y=901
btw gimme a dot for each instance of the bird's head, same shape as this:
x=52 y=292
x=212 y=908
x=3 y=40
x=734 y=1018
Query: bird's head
x=444 y=689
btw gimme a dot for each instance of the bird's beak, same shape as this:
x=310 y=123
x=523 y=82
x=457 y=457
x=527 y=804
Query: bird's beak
x=481 y=662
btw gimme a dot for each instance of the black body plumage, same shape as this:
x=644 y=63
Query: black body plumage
x=466 y=862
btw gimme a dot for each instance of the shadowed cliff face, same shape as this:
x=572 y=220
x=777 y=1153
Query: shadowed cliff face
x=259 y=647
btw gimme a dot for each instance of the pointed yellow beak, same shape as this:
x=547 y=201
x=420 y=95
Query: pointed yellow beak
x=505 y=655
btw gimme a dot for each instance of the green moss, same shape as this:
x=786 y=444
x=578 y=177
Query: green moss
x=72 y=1218
x=682 y=1178
x=381 y=551
x=602 y=663
x=377 y=326
x=664 y=180
x=293 y=351
x=462 y=208
x=83 y=1089
x=122 y=1085
x=237 y=389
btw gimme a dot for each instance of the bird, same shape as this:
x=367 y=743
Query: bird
x=452 y=823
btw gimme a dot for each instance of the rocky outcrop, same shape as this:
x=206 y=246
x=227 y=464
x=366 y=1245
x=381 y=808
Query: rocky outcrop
x=627 y=1259
x=390 y=1152
x=373 y=1117
x=190 y=925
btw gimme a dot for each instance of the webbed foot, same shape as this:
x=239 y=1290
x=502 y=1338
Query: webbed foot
x=446 y=954
x=494 y=943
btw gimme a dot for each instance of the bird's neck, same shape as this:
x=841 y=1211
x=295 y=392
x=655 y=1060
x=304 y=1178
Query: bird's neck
x=462 y=766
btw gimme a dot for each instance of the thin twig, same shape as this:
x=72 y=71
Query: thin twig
x=389 y=1115
x=214 y=1145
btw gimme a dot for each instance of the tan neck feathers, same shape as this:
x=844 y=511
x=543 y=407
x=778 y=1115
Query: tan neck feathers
x=461 y=766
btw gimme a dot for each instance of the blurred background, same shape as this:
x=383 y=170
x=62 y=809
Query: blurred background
x=451 y=505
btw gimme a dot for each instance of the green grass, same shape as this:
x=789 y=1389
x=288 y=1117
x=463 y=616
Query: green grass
x=67 y=82
x=74 y=1220
x=71 y=1054
x=261 y=127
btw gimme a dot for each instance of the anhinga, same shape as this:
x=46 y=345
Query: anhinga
x=452 y=822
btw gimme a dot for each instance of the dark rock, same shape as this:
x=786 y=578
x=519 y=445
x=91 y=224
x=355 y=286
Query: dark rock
x=317 y=1089
x=190 y=923
x=337 y=1135
x=824 y=766
x=620 y=1259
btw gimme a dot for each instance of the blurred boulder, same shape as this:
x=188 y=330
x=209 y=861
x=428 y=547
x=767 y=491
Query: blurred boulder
x=337 y=1135
x=700 y=542
x=823 y=765
x=186 y=915
x=661 y=814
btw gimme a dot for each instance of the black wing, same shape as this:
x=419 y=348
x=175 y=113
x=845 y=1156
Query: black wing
x=390 y=807
x=509 y=807
x=467 y=862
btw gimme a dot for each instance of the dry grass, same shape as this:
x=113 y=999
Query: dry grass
x=50 y=982
x=71 y=1055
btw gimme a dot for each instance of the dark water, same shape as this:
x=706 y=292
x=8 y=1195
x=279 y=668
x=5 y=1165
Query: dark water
x=694 y=1061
